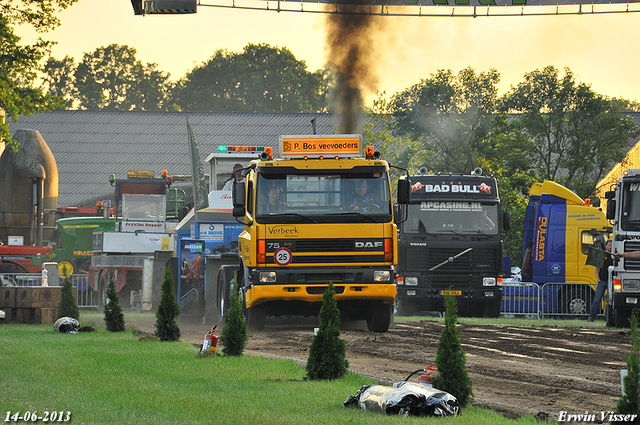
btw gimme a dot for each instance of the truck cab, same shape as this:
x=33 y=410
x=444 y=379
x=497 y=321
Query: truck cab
x=451 y=244
x=308 y=223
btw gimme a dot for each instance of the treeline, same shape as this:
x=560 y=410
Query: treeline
x=548 y=127
x=260 y=78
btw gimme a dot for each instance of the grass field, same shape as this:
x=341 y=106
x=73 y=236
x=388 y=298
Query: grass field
x=106 y=378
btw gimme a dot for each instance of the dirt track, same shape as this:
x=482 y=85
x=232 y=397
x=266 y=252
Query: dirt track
x=515 y=370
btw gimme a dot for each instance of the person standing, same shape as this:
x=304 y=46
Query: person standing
x=237 y=173
x=603 y=277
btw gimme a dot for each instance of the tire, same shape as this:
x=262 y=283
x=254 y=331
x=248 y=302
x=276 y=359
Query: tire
x=67 y=266
x=256 y=317
x=492 y=309
x=621 y=317
x=223 y=295
x=379 y=317
x=576 y=301
x=405 y=308
x=102 y=291
x=608 y=316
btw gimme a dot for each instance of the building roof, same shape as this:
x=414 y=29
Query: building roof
x=90 y=145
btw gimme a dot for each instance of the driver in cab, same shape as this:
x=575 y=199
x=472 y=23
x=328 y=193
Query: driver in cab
x=362 y=200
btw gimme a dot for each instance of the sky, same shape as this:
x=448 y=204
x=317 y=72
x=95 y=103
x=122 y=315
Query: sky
x=602 y=50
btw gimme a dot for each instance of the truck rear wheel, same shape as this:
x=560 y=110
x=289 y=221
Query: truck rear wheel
x=576 y=301
x=379 y=317
x=608 y=316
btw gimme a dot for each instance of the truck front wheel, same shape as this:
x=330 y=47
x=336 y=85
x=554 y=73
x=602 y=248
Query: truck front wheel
x=492 y=309
x=621 y=317
x=608 y=316
x=379 y=317
x=256 y=317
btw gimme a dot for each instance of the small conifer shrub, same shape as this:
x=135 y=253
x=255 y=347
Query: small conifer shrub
x=629 y=403
x=327 y=354
x=113 y=316
x=67 y=306
x=234 y=334
x=452 y=376
x=168 y=311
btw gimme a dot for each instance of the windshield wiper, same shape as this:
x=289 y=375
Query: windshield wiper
x=290 y=214
x=452 y=231
x=356 y=214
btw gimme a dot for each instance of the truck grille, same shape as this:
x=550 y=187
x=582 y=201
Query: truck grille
x=422 y=259
x=632 y=264
x=327 y=251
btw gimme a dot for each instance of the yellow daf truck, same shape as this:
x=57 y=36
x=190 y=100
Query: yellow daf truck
x=320 y=213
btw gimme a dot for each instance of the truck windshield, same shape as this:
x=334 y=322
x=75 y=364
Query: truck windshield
x=143 y=207
x=630 y=217
x=451 y=217
x=323 y=197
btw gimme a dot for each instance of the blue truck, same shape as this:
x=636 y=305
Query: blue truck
x=559 y=230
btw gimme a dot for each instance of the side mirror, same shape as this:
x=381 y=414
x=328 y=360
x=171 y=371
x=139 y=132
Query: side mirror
x=238 y=194
x=611 y=204
x=506 y=220
x=404 y=191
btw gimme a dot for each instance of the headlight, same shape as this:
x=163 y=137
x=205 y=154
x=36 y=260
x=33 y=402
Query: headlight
x=381 y=276
x=267 y=277
x=489 y=281
x=413 y=281
x=631 y=284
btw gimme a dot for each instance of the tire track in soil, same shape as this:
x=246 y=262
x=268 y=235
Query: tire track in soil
x=515 y=370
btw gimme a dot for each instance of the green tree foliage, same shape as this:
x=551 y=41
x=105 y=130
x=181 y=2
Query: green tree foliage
x=327 y=354
x=452 y=375
x=234 y=333
x=67 y=306
x=575 y=135
x=261 y=78
x=113 y=316
x=168 y=311
x=19 y=63
x=59 y=82
x=629 y=403
x=111 y=78
x=449 y=115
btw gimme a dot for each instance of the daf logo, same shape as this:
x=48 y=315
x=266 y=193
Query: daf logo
x=369 y=244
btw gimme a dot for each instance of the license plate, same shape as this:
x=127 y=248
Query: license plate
x=454 y=293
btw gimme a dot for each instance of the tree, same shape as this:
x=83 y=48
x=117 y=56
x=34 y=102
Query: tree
x=575 y=134
x=113 y=316
x=327 y=354
x=261 y=78
x=452 y=376
x=629 y=403
x=19 y=63
x=234 y=333
x=67 y=306
x=111 y=78
x=449 y=115
x=58 y=80
x=168 y=311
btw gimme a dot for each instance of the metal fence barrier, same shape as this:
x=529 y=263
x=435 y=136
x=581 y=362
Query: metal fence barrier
x=548 y=300
x=86 y=297
x=520 y=299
